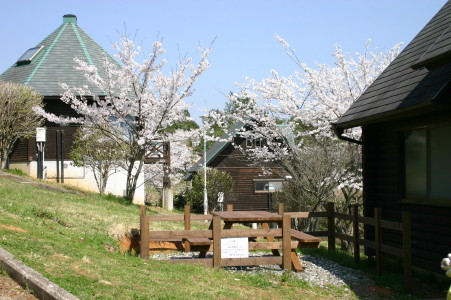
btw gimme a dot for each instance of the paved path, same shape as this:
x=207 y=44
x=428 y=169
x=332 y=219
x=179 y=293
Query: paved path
x=33 y=182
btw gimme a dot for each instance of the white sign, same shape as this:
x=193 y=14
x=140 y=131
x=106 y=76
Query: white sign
x=40 y=134
x=235 y=248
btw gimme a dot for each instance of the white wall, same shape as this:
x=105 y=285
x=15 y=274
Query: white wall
x=83 y=178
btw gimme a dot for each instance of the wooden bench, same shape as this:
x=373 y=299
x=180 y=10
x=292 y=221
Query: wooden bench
x=160 y=245
x=198 y=244
x=305 y=240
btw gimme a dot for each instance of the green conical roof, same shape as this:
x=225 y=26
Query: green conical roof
x=55 y=63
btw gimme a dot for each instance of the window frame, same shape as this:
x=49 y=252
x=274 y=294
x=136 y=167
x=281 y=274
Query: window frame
x=427 y=199
x=258 y=142
x=249 y=142
x=267 y=181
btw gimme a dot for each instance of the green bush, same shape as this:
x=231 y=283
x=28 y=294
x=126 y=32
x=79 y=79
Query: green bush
x=217 y=181
x=15 y=172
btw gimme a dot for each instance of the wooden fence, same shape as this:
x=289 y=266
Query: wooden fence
x=404 y=227
x=332 y=235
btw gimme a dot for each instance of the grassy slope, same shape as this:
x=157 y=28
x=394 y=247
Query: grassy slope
x=65 y=238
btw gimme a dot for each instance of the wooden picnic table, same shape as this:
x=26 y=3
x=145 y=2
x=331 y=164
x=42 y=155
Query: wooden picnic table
x=282 y=239
x=263 y=218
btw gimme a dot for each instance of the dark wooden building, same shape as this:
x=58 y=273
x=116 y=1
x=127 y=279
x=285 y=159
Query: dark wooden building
x=405 y=117
x=253 y=191
x=44 y=67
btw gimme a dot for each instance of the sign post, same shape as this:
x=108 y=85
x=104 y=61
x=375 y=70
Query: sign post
x=40 y=144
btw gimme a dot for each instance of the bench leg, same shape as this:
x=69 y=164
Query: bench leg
x=187 y=246
x=296 y=262
x=275 y=252
x=202 y=254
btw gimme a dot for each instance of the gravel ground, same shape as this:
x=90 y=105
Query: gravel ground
x=318 y=271
x=9 y=289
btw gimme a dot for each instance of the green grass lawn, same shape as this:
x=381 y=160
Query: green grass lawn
x=65 y=238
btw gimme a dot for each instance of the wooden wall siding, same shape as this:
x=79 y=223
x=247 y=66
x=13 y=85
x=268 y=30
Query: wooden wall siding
x=430 y=235
x=230 y=157
x=246 y=198
x=21 y=151
x=51 y=141
x=383 y=187
x=25 y=149
x=232 y=160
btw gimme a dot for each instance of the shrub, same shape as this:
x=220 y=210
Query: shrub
x=217 y=181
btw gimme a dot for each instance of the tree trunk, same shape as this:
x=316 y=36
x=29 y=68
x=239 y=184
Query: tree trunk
x=132 y=179
x=4 y=157
x=168 y=198
x=104 y=180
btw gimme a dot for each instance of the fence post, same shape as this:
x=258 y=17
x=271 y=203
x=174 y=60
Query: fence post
x=187 y=220
x=187 y=216
x=286 y=241
x=407 y=248
x=229 y=207
x=144 y=234
x=331 y=226
x=378 y=239
x=355 y=229
x=281 y=210
x=216 y=241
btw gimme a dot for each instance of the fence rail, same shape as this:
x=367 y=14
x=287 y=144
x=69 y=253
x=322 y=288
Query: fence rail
x=404 y=227
x=216 y=233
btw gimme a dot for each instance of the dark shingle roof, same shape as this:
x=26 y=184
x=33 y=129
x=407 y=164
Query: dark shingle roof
x=55 y=63
x=218 y=146
x=438 y=51
x=405 y=84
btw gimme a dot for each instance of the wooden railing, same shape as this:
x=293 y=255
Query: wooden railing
x=404 y=227
x=216 y=233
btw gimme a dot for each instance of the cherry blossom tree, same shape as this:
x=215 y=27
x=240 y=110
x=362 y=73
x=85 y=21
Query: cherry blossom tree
x=182 y=158
x=293 y=116
x=138 y=100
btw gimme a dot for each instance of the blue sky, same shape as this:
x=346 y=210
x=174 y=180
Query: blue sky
x=244 y=31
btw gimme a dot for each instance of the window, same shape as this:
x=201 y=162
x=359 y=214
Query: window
x=427 y=164
x=28 y=56
x=258 y=142
x=267 y=186
x=249 y=142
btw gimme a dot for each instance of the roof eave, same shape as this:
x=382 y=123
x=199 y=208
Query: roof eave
x=385 y=116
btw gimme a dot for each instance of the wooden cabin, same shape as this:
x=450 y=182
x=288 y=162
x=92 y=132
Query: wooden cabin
x=43 y=67
x=405 y=116
x=252 y=189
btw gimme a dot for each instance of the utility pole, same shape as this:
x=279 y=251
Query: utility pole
x=205 y=176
